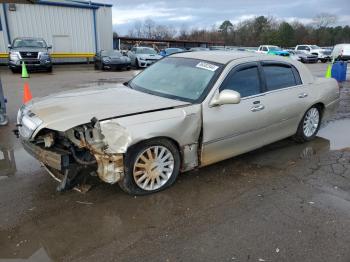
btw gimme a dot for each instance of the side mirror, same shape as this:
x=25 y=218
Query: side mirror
x=226 y=96
x=49 y=47
x=9 y=46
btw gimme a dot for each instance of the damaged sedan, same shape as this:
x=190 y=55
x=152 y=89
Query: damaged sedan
x=186 y=111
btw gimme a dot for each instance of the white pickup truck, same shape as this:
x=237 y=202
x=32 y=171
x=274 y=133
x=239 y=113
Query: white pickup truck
x=324 y=55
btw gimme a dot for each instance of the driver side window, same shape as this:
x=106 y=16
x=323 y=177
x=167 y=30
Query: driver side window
x=245 y=81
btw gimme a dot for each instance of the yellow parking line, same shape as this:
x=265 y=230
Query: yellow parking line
x=61 y=55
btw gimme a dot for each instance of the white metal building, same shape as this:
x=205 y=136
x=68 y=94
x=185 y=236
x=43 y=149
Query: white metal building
x=70 y=26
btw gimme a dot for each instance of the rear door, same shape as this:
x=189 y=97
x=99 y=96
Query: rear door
x=286 y=99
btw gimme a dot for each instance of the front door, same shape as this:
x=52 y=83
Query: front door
x=232 y=129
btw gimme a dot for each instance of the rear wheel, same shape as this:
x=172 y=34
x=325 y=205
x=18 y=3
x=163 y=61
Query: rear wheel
x=309 y=125
x=150 y=167
x=49 y=70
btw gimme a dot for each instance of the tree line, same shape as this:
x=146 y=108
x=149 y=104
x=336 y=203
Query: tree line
x=253 y=32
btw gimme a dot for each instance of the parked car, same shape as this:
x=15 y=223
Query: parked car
x=272 y=50
x=324 y=55
x=143 y=56
x=33 y=51
x=195 y=49
x=186 y=111
x=303 y=57
x=341 y=52
x=170 y=51
x=111 y=59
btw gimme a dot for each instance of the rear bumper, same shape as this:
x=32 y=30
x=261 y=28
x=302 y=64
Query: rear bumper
x=57 y=159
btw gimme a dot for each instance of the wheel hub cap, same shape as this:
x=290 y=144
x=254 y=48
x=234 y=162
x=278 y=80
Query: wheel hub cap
x=153 y=168
x=311 y=121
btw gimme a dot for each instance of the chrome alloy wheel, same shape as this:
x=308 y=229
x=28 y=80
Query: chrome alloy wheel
x=311 y=122
x=153 y=168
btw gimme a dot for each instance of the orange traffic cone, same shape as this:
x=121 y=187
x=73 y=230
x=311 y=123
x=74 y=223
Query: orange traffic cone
x=27 y=95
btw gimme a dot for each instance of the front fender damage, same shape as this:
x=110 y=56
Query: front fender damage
x=107 y=147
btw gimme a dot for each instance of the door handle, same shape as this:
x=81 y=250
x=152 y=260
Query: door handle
x=257 y=108
x=302 y=95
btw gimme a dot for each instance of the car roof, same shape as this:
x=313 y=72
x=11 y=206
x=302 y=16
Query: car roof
x=217 y=56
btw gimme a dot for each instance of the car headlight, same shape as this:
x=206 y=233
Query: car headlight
x=27 y=122
x=142 y=58
x=44 y=54
x=106 y=59
x=14 y=56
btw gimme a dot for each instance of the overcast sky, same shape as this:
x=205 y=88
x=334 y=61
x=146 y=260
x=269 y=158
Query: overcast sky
x=203 y=13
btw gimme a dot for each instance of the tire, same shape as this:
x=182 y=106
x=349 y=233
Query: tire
x=49 y=70
x=323 y=60
x=101 y=66
x=136 y=176
x=3 y=120
x=14 y=70
x=137 y=64
x=95 y=66
x=302 y=134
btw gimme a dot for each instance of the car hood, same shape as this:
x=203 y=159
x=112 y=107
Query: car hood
x=148 y=56
x=65 y=110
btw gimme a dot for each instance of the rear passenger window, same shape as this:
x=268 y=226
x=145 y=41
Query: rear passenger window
x=245 y=81
x=279 y=76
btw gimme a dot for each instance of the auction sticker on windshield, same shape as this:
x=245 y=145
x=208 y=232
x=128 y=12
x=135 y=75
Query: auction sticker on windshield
x=207 y=66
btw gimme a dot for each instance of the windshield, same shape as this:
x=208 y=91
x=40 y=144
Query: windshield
x=314 y=47
x=146 y=50
x=179 y=78
x=33 y=43
x=275 y=48
x=111 y=53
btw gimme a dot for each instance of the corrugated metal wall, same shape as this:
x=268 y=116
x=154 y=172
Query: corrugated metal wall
x=67 y=29
x=74 y=25
x=104 y=28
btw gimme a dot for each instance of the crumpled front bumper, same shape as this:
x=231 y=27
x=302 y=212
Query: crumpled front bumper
x=56 y=158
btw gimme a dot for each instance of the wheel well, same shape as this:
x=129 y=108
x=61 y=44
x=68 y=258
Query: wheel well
x=156 y=138
x=320 y=106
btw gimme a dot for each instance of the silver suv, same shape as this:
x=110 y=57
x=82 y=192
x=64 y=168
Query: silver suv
x=33 y=51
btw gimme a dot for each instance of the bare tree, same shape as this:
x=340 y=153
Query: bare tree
x=148 y=28
x=324 y=20
x=136 y=31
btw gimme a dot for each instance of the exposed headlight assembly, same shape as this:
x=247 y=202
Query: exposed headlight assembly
x=142 y=58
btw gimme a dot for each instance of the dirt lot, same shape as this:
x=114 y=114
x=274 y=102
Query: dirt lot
x=283 y=202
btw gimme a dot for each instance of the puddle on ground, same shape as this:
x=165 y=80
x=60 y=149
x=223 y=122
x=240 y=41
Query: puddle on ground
x=282 y=153
x=338 y=133
x=16 y=162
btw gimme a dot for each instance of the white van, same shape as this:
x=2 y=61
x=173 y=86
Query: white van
x=341 y=52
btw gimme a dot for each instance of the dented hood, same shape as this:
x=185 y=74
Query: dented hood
x=65 y=110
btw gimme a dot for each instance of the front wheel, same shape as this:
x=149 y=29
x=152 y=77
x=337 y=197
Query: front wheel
x=309 y=125
x=150 y=167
